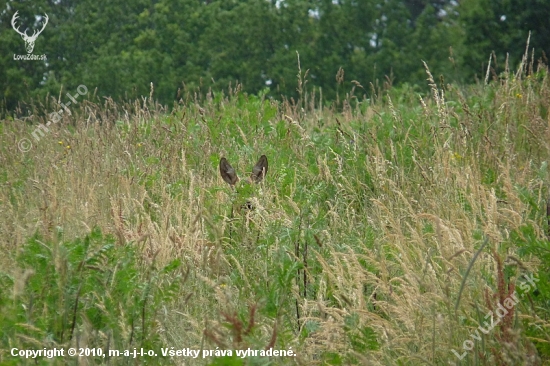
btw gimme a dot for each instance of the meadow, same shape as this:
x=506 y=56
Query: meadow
x=387 y=230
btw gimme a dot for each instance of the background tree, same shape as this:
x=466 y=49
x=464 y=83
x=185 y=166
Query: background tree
x=502 y=27
x=118 y=48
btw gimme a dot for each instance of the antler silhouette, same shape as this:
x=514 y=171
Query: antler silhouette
x=29 y=40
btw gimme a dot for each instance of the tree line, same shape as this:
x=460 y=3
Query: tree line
x=118 y=48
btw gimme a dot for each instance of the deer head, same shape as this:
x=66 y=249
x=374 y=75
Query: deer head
x=230 y=177
x=29 y=41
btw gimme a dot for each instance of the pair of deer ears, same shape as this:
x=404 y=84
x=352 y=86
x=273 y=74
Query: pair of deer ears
x=230 y=177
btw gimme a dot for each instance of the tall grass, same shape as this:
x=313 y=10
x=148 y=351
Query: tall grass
x=360 y=249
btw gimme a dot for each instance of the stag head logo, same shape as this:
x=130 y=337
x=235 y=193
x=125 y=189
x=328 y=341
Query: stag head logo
x=29 y=40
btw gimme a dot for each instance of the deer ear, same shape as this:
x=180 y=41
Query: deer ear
x=227 y=172
x=260 y=170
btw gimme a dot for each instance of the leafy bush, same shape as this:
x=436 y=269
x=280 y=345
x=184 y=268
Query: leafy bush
x=83 y=293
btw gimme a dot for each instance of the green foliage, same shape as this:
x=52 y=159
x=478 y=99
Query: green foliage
x=88 y=288
x=529 y=243
x=117 y=49
x=495 y=28
x=362 y=338
x=360 y=239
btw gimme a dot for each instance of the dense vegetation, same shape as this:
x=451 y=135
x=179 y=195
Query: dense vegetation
x=401 y=221
x=387 y=230
x=118 y=48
